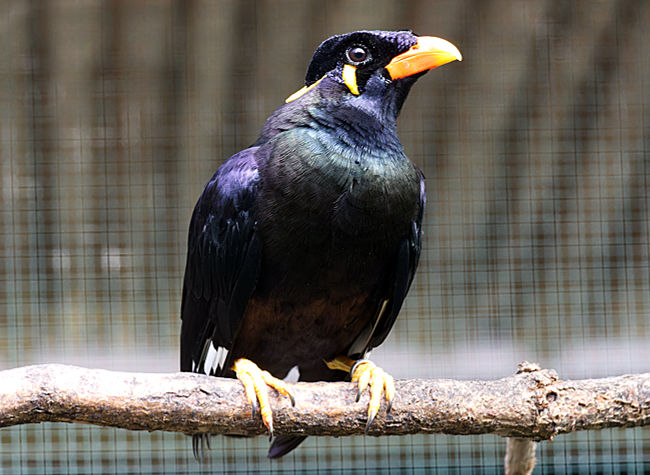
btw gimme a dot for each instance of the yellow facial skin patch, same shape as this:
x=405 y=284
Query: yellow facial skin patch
x=350 y=78
x=302 y=91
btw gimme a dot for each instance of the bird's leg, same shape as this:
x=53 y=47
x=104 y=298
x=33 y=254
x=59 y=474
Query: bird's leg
x=365 y=373
x=255 y=383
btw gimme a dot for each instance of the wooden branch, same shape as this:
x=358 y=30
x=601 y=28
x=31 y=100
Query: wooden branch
x=520 y=457
x=532 y=404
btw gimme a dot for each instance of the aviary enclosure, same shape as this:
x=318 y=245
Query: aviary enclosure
x=536 y=150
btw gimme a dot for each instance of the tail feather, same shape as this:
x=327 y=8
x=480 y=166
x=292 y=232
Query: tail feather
x=283 y=444
x=201 y=446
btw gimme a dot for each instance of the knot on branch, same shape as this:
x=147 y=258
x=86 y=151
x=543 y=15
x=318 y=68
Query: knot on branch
x=544 y=394
x=527 y=367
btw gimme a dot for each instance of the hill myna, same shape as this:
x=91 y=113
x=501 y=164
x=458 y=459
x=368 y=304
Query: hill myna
x=302 y=247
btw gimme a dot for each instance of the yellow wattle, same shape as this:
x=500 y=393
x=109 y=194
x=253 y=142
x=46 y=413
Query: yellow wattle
x=350 y=78
x=302 y=91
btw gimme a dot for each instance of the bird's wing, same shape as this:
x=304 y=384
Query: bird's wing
x=398 y=284
x=223 y=263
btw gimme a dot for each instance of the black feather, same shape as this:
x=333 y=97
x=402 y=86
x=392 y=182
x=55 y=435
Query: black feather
x=304 y=246
x=283 y=444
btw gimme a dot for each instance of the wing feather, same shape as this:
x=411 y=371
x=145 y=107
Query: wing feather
x=223 y=263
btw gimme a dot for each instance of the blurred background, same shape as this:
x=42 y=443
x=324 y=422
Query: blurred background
x=536 y=148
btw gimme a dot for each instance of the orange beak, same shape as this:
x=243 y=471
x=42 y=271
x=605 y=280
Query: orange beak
x=428 y=53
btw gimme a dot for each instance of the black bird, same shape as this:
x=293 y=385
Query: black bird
x=302 y=248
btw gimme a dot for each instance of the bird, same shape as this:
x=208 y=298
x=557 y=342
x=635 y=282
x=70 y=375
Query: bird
x=302 y=248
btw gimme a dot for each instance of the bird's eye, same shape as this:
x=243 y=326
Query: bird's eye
x=357 y=54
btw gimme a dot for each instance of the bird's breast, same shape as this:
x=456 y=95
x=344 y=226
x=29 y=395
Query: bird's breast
x=331 y=220
x=330 y=210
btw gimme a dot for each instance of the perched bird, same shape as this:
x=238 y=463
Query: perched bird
x=302 y=248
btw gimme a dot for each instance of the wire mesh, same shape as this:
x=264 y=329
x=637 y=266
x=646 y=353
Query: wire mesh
x=536 y=150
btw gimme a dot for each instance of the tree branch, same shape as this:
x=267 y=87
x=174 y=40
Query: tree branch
x=520 y=457
x=532 y=404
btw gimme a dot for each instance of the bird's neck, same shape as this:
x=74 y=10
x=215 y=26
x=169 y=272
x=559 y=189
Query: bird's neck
x=354 y=126
x=367 y=122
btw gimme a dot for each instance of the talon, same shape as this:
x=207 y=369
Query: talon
x=247 y=380
x=361 y=374
x=255 y=383
x=371 y=417
x=366 y=374
x=389 y=386
x=376 y=388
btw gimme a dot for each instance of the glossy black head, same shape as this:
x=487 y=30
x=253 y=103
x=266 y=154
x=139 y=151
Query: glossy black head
x=369 y=71
x=376 y=69
x=367 y=51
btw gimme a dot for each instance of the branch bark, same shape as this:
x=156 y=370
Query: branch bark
x=520 y=457
x=533 y=404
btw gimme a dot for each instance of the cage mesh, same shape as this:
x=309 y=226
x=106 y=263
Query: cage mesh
x=536 y=149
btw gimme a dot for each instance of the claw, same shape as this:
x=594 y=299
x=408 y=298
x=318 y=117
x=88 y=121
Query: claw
x=291 y=398
x=246 y=378
x=255 y=383
x=365 y=373
x=371 y=417
x=389 y=386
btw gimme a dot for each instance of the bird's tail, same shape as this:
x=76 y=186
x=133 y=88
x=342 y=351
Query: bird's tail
x=283 y=444
x=201 y=446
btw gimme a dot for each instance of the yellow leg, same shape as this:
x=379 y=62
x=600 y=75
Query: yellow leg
x=366 y=374
x=255 y=383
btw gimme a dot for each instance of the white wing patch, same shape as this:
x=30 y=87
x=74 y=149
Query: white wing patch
x=293 y=376
x=215 y=359
x=210 y=358
x=222 y=354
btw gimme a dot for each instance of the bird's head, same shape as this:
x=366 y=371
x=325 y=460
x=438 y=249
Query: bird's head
x=376 y=67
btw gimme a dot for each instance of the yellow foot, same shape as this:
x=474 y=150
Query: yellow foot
x=365 y=373
x=255 y=383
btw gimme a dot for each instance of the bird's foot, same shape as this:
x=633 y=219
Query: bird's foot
x=255 y=382
x=366 y=374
